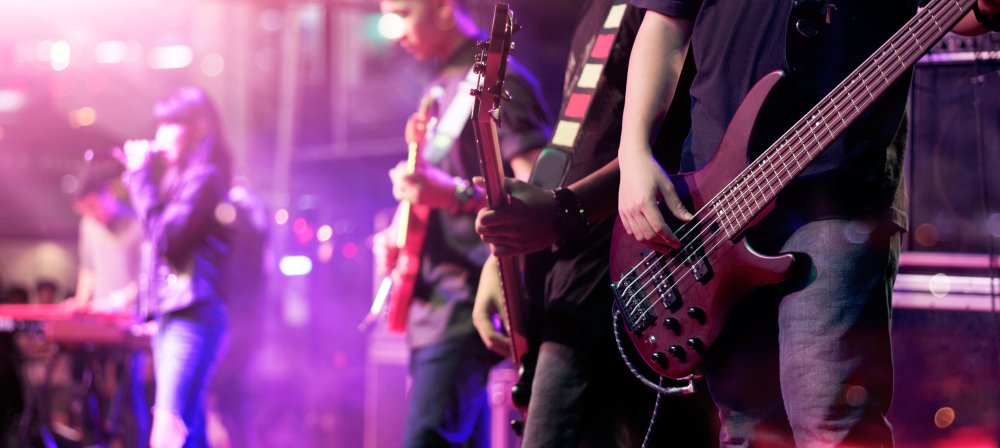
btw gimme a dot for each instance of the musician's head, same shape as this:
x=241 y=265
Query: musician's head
x=188 y=130
x=99 y=194
x=431 y=28
x=45 y=291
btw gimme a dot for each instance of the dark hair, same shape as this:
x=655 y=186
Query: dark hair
x=98 y=174
x=46 y=284
x=191 y=106
x=16 y=294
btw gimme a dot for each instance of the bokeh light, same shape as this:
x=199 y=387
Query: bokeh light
x=391 y=26
x=281 y=216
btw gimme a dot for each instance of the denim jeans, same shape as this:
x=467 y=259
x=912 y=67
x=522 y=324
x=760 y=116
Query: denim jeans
x=447 y=405
x=186 y=348
x=809 y=364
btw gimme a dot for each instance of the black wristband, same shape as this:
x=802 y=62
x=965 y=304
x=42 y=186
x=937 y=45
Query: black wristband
x=990 y=22
x=571 y=220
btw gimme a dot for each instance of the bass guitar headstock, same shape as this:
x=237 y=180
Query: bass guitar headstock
x=491 y=65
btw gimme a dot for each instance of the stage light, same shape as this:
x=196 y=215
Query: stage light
x=281 y=217
x=111 y=52
x=325 y=252
x=350 y=250
x=225 y=213
x=12 y=100
x=59 y=55
x=926 y=235
x=391 y=26
x=271 y=20
x=324 y=233
x=944 y=417
x=940 y=285
x=302 y=230
x=69 y=184
x=295 y=265
x=82 y=117
x=212 y=64
x=170 y=57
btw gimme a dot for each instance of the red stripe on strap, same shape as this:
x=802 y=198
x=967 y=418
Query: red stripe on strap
x=577 y=105
x=602 y=48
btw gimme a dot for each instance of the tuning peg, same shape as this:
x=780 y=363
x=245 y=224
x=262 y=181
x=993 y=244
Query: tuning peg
x=476 y=92
x=480 y=57
x=512 y=46
x=484 y=44
x=478 y=68
x=515 y=28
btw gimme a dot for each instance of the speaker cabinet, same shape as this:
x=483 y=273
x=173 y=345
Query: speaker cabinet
x=946 y=209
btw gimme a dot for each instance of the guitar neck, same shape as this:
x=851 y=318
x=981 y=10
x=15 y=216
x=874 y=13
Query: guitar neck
x=751 y=191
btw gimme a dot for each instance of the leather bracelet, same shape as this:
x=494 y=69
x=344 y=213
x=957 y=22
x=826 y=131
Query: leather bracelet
x=571 y=219
x=989 y=21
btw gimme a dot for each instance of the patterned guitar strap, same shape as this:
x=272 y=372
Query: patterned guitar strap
x=587 y=78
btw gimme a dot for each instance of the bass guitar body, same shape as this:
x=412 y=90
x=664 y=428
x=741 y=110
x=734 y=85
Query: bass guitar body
x=675 y=303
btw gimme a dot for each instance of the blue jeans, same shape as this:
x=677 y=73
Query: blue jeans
x=809 y=364
x=447 y=405
x=186 y=348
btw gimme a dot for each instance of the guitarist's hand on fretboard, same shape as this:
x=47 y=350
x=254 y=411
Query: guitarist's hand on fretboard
x=428 y=185
x=524 y=225
x=385 y=251
x=488 y=305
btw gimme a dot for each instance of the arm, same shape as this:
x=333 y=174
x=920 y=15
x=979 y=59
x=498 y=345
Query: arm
x=654 y=68
x=84 y=289
x=489 y=303
x=970 y=26
x=528 y=224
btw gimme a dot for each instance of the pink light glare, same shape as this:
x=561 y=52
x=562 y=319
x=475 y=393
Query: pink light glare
x=59 y=55
x=324 y=233
x=281 y=216
x=170 y=57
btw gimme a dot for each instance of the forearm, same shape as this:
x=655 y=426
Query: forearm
x=598 y=192
x=970 y=25
x=84 y=286
x=654 y=68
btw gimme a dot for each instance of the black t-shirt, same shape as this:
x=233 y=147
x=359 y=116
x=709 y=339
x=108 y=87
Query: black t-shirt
x=737 y=42
x=453 y=253
x=578 y=294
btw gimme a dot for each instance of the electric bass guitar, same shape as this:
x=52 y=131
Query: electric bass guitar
x=491 y=66
x=675 y=303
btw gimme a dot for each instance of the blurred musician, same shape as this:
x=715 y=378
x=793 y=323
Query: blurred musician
x=176 y=183
x=447 y=403
x=110 y=241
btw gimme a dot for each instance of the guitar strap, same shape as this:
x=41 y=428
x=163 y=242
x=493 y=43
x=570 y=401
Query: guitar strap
x=587 y=78
x=455 y=116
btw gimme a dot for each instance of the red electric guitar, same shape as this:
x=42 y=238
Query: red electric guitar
x=411 y=230
x=674 y=304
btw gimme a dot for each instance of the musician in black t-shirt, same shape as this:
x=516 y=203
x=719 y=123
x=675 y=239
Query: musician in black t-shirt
x=447 y=404
x=809 y=363
x=582 y=394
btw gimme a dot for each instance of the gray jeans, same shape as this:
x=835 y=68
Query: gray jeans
x=809 y=364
